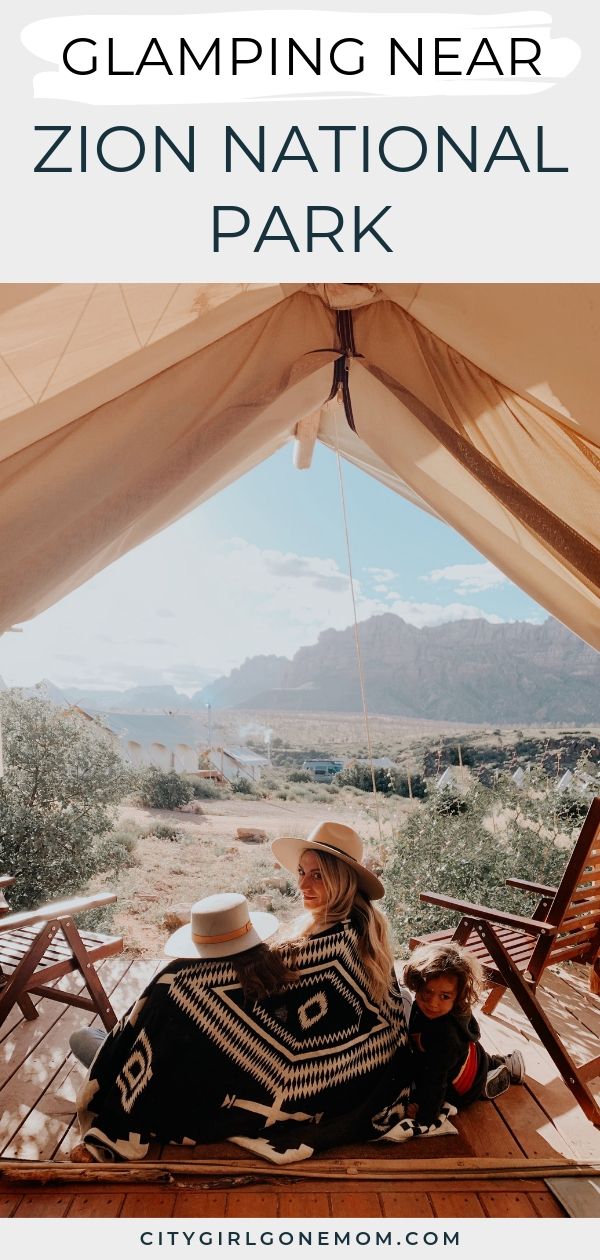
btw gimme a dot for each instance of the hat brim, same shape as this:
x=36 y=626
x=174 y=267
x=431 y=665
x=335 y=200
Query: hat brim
x=181 y=945
x=289 y=849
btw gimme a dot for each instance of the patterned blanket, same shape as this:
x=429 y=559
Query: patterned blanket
x=310 y=1067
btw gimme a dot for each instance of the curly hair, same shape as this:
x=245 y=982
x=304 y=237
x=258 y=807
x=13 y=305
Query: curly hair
x=427 y=962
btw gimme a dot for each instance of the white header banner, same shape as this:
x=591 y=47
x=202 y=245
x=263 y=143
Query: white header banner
x=300 y=144
x=264 y=55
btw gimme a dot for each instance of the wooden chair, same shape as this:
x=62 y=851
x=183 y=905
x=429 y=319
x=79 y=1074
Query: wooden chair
x=38 y=947
x=515 y=951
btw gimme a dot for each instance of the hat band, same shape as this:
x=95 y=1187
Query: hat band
x=342 y=852
x=225 y=936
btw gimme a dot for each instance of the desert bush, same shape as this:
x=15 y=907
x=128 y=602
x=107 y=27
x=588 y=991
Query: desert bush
x=203 y=789
x=164 y=831
x=62 y=779
x=387 y=781
x=242 y=786
x=469 y=854
x=160 y=789
x=300 y=776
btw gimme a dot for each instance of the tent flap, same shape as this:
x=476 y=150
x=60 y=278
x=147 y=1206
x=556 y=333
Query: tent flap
x=122 y=407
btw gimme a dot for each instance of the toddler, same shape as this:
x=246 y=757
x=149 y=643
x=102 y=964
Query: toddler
x=450 y=1064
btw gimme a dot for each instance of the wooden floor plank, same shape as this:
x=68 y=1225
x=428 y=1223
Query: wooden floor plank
x=548 y=1088
x=148 y=1203
x=575 y=995
x=545 y=1204
x=456 y=1203
x=9 y=1203
x=34 y=1134
x=48 y=1128
x=357 y=1203
x=200 y=1203
x=535 y=1133
x=502 y=1203
x=303 y=1204
x=98 y=1205
x=252 y=1203
x=48 y=1204
x=487 y=1133
x=406 y=1203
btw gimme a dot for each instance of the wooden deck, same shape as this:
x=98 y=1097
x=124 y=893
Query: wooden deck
x=496 y=1166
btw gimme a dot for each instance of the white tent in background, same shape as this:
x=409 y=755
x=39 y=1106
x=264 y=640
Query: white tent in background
x=566 y=781
x=452 y=777
x=123 y=407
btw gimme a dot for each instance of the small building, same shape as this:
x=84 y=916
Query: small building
x=167 y=741
x=235 y=763
x=323 y=769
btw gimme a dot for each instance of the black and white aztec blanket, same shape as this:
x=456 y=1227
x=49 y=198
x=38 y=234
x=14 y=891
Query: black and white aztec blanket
x=313 y=1066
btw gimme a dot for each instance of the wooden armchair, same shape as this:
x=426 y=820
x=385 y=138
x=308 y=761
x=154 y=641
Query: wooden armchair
x=515 y=950
x=40 y=946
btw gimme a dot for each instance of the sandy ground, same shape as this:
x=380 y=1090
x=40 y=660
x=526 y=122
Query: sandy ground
x=170 y=875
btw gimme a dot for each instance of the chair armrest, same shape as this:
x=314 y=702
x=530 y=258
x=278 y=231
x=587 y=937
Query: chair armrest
x=471 y=911
x=541 y=890
x=57 y=910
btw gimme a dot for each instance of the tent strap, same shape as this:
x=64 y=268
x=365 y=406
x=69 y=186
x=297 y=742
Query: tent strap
x=341 y=367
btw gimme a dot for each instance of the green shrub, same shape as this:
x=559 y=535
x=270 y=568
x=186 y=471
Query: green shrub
x=164 y=831
x=300 y=776
x=470 y=853
x=243 y=786
x=165 y=790
x=203 y=789
x=62 y=780
x=358 y=775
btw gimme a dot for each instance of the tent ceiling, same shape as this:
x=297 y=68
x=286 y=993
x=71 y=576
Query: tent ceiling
x=122 y=407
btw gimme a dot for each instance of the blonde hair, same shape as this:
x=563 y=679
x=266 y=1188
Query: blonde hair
x=344 y=900
x=427 y=962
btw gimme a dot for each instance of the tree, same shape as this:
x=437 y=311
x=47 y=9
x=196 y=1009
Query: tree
x=165 y=789
x=62 y=779
x=468 y=850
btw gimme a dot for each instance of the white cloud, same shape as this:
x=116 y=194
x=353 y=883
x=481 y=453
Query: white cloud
x=466 y=578
x=382 y=575
x=420 y=615
x=229 y=599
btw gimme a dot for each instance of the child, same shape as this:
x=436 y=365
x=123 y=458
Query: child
x=450 y=1064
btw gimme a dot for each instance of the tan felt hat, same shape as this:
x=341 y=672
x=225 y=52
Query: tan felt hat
x=341 y=842
x=221 y=926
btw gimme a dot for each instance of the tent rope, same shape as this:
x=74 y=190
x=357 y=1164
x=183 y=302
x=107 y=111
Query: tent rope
x=361 y=676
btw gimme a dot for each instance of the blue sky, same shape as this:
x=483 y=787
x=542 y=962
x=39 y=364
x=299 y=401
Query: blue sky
x=261 y=568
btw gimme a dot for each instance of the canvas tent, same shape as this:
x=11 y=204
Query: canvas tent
x=123 y=407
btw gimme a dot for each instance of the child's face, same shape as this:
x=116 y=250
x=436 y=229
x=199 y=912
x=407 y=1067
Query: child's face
x=437 y=996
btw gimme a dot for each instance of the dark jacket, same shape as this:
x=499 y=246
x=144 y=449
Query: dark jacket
x=440 y=1047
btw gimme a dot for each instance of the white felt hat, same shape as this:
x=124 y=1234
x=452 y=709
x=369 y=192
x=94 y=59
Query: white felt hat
x=221 y=926
x=341 y=842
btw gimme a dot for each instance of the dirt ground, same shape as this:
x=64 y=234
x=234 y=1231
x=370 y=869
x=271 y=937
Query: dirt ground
x=208 y=857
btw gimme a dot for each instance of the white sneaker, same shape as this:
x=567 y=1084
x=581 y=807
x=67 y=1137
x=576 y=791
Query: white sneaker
x=516 y=1066
x=498 y=1081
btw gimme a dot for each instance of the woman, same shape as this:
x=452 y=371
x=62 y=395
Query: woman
x=337 y=887
x=316 y=1057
